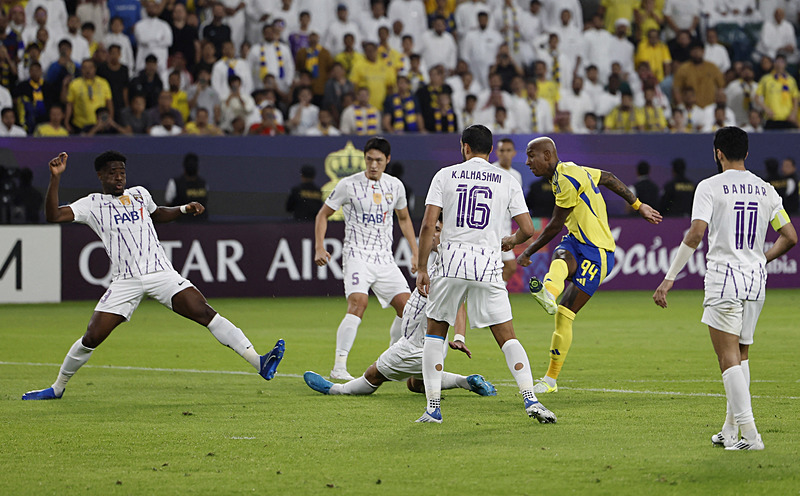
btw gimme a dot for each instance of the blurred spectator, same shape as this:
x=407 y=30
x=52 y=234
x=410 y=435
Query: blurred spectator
x=625 y=117
x=96 y=12
x=622 y=49
x=615 y=10
x=317 y=60
x=387 y=55
x=238 y=104
x=653 y=118
x=777 y=94
x=417 y=73
x=235 y=18
x=509 y=23
x=466 y=15
x=361 y=118
x=741 y=94
x=333 y=39
x=467 y=114
x=444 y=116
x=303 y=115
x=693 y=114
x=411 y=13
x=148 y=83
x=167 y=126
x=539 y=110
x=677 y=123
x=444 y=9
x=678 y=193
x=540 y=199
x=791 y=201
x=502 y=124
x=184 y=35
x=591 y=123
x=134 y=118
x=505 y=67
x=373 y=74
x=85 y=95
x=372 y=20
x=650 y=16
x=545 y=88
x=644 y=188
x=401 y=110
x=438 y=47
x=180 y=101
x=117 y=76
x=27 y=198
x=8 y=128
x=681 y=46
x=655 y=52
x=117 y=37
x=129 y=11
x=335 y=88
x=188 y=187
x=703 y=76
x=754 y=123
x=164 y=106
x=272 y=57
x=298 y=38
x=720 y=103
x=105 y=125
x=480 y=47
x=775 y=178
x=681 y=15
x=88 y=34
x=598 y=43
x=324 y=126
x=177 y=64
x=201 y=126
x=230 y=65
x=153 y=37
x=56 y=11
x=216 y=31
x=237 y=127
x=33 y=98
x=428 y=96
x=64 y=69
x=202 y=95
x=348 y=57
x=716 y=53
x=268 y=126
x=397 y=170
x=55 y=126
x=305 y=199
x=208 y=57
x=777 y=37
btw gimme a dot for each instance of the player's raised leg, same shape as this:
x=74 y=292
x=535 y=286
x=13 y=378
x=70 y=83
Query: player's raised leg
x=346 y=334
x=191 y=304
x=396 y=330
x=100 y=326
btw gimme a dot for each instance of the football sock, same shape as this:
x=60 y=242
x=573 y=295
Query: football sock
x=233 y=337
x=520 y=367
x=77 y=355
x=560 y=342
x=730 y=428
x=554 y=279
x=345 y=336
x=356 y=387
x=396 y=331
x=452 y=381
x=432 y=366
x=739 y=398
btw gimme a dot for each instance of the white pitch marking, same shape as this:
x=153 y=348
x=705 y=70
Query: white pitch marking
x=150 y=369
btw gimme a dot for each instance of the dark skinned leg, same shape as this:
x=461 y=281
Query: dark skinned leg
x=191 y=303
x=100 y=326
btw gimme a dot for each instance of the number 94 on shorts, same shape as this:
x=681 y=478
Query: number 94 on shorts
x=594 y=263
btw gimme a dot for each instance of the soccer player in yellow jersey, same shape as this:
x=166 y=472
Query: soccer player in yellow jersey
x=585 y=255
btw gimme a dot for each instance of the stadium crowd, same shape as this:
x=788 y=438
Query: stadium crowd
x=325 y=67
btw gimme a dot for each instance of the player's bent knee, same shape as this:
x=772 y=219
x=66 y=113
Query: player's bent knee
x=415 y=385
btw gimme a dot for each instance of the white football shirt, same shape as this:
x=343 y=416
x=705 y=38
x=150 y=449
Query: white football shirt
x=475 y=198
x=368 y=207
x=738 y=206
x=124 y=225
x=415 y=322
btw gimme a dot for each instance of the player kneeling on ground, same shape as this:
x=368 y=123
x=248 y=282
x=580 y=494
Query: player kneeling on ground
x=123 y=218
x=403 y=359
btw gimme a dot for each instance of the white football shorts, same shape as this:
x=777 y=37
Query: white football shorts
x=734 y=316
x=124 y=295
x=402 y=360
x=487 y=302
x=386 y=280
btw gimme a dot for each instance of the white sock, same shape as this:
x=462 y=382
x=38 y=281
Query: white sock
x=739 y=398
x=396 y=331
x=550 y=381
x=432 y=367
x=345 y=336
x=356 y=387
x=77 y=355
x=233 y=337
x=730 y=428
x=520 y=367
x=452 y=381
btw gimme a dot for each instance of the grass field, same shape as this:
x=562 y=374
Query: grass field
x=162 y=408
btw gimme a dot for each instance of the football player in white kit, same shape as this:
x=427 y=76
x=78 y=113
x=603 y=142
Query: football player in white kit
x=505 y=154
x=403 y=359
x=123 y=218
x=473 y=197
x=368 y=200
x=736 y=206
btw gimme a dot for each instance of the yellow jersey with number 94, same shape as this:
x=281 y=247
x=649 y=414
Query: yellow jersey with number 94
x=575 y=187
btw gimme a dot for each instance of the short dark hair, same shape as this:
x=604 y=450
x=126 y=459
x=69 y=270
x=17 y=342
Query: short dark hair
x=106 y=158
x=731 y=141
x=308 y=171
x=679 y=166
x=151 y=58
x=505 y=140
x=478 y=137
x=643 y=168
x=378 y=143
x=191 y=162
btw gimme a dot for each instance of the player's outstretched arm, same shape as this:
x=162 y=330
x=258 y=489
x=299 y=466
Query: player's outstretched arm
x=612 y=182
x=168 y=214
x=407 y=227
x=52 y=212
x=550 y=231
x=786 y=240
x=321 y=256
x=690 y=243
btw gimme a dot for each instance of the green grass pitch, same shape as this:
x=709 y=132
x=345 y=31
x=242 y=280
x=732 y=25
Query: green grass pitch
x=162 y=408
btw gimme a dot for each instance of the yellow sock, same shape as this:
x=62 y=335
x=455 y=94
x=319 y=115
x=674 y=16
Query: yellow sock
x=561 y=341
x=554 y=279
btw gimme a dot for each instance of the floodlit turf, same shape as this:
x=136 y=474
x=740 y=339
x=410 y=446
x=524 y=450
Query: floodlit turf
x=640 y=397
